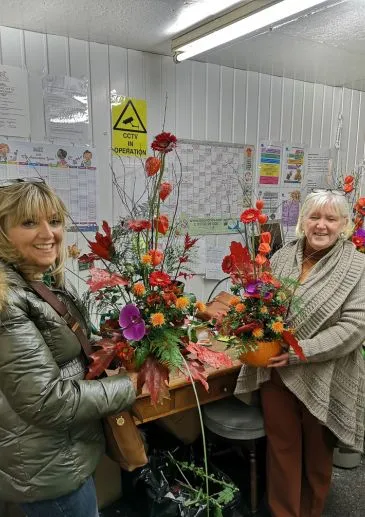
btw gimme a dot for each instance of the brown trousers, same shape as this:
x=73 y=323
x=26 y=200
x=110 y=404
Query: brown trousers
x=299 y=454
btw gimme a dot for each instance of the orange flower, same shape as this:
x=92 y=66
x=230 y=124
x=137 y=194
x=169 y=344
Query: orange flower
x=146 y=259
x=240 y=307
x=348 y=187
x=152 y=165
x=182 y=302
x=156 y=257
x=349 y=179
x=264 y=248
x=249 y=216
x=200 y=306
x=278 y=327
x=138 y=289
x=157 y=319
x=165 y=190
x=262 y=218
x=260 y=259
x=234 y=300
x=265 y=237
x=258 y=333
x=260 y=204
x=161 y=224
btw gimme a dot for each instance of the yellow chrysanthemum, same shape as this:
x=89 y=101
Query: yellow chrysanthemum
x=264 y=309
x=146 y=259
x=157 y=319
x=258 y=333
x=138 y=289
x=240 y=307
x=182 y=302
x=277 y=327
x=200 y=306
x=234 y=300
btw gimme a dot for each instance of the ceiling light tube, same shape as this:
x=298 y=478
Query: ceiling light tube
x=236 y=29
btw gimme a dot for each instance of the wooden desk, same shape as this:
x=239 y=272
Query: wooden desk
x=222 y=383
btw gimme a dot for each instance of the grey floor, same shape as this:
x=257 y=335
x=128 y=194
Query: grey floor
x=346 y=499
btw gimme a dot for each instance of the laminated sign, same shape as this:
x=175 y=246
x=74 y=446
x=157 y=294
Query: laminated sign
x=130 y=128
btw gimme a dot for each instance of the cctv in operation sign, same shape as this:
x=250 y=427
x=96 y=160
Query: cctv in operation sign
x=129 y=119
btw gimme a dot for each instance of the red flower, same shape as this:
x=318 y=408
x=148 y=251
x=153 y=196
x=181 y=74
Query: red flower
x=156 y=256
x=265 y=237
x=262 y=218
x=103 y=245
x=164 y=142
x=358 y=241
x=153 y=298
x=349 y=179
x=348 y=187
x=267 y=278
x=249 y=216
x=161 y=224
x=260 y=259
x=260 y=204
x=100 y=278
x=165 y=190
x=152 y=165
x=264 y=248
x=169 y=298
x=159 y=279
x=361 y=202
x=228 y=264
x=124 y=351
x=138 y=225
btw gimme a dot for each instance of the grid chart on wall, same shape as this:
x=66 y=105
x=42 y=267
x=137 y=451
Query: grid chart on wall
x=215 y=179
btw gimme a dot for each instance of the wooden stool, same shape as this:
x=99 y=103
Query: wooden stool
x=236 y=421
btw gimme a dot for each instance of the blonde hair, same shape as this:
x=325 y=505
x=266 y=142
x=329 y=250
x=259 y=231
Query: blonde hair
x=20 y=202
x=320 y=199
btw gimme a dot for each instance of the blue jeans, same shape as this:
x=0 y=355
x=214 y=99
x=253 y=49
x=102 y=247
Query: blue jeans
x=81 y=503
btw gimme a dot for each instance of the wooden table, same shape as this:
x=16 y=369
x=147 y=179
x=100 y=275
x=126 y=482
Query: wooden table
x=222 y=383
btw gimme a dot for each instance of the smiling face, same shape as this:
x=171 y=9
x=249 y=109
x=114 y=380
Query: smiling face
x=322 y=226
x=38 y=241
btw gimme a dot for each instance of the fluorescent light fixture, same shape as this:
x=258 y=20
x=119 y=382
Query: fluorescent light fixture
x=239 y=27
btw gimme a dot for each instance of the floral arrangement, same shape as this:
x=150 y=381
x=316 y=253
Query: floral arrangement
x=350 y=188
x=147 y=322
x=260 y=302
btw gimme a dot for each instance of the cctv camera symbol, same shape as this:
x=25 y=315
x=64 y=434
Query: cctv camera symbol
x=129 y=120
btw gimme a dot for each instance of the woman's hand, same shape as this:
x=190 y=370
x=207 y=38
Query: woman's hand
x=279 y=360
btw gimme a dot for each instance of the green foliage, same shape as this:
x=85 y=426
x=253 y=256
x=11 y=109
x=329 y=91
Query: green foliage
x=165 y=345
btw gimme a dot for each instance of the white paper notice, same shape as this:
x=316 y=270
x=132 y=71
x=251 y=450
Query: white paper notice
x=66 y=108
x=14 y=105
x=213 y=268
x=318 y=169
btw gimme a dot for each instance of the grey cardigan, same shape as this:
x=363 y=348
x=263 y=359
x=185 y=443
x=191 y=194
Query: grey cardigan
x=330 y=326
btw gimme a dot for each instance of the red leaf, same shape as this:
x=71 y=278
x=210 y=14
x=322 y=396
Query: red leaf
x=156 y=378
x=242 y=259
x=102 y=358
x=101 y=278
x=294 y=343
x=209 y=356
x=197 y=372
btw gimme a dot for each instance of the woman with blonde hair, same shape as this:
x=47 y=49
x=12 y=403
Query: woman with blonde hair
x=307 y=406
x=51 y=437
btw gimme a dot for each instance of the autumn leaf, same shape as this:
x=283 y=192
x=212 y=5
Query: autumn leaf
x=155 y=377
x=102 y=358
x=294 y=343
x=209 y=356
x=197 y=372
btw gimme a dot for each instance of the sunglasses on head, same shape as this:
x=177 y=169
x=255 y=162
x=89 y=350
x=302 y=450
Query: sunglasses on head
x=15 y=181
x=333 y=191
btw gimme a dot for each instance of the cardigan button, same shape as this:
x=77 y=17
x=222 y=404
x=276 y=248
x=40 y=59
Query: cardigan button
x=120 y=421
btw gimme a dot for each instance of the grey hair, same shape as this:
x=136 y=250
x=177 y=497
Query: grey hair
x=320 y=199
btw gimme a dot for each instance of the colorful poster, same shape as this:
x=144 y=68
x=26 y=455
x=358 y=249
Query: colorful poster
x=294 y=165
x=129 y=122
x=70 y=170
x=66 y=108
x=14 y=105
x=290 y=209
x=269 y=164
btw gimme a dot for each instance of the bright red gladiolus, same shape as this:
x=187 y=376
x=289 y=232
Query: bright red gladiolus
x=159 y=279
x=138 y=225
x=260 y=204
x=103 y=245
x=164 y=142
x=161 y=224
x=152 y=165
x=262 y=218
x=165 y=190
x=249 y=216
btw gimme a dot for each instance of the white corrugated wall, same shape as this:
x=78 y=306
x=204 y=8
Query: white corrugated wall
x=205 y=101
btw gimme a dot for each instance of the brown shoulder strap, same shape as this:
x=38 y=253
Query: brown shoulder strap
x=48 y=296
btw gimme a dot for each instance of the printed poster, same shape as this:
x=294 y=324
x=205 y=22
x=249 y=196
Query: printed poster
x=14 y=104
x=269 y=164
x=70 y=170
x=129 y=123
x=290 y=208
x=293 y=165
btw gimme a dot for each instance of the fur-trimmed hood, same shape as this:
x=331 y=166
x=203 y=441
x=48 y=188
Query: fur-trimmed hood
x=4 y=288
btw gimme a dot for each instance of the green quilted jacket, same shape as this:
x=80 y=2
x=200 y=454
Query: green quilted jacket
x=51 y=437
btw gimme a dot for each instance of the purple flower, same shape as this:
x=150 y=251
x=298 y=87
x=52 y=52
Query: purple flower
x=131 y=322
x=360 y=233
x=253 y=287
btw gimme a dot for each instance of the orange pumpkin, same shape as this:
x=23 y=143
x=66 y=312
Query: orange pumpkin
x=152 y=165
x=265 y=350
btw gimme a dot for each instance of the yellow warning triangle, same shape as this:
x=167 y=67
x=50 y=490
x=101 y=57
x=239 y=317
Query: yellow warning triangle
x=129 y=120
